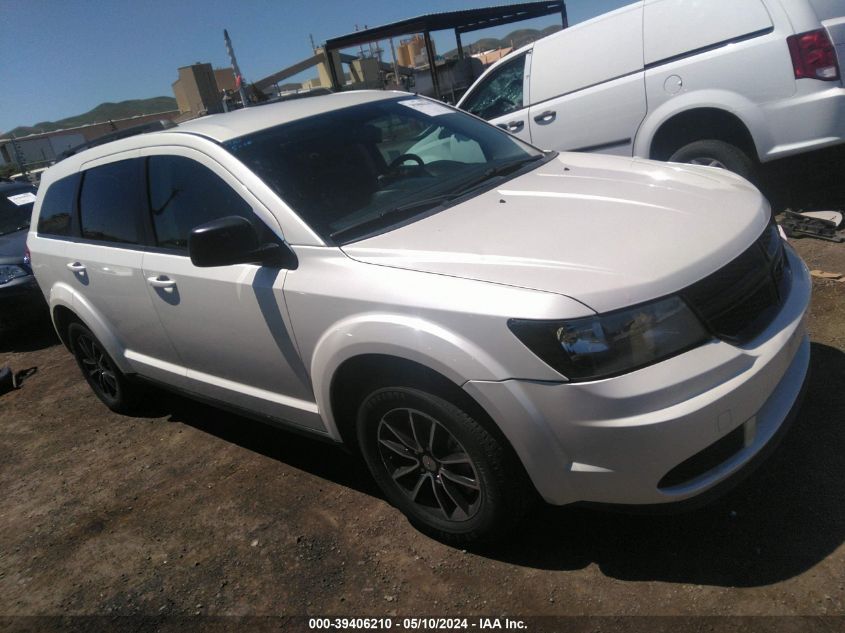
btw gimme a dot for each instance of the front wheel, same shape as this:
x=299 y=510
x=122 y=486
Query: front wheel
x=713 y=153
x=444 y=470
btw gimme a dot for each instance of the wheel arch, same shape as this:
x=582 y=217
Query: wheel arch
x=67 y=307
x=701 y=124
x=728 y=116
x=63 y=316
x=409 y=338
x=358 y=375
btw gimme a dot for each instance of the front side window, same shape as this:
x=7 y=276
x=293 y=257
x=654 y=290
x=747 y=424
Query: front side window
x=184 y=194
x=500 y=93
x=108 y=203
x=350 y=170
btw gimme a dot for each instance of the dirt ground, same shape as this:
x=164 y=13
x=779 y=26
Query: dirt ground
x=193 y=511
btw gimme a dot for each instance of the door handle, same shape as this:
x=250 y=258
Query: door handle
x=512 y=126
x=546 y=117
x=161 y=281
x=77 y=267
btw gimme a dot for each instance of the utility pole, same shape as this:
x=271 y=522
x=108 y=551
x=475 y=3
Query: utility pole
x=395 y=65
x=239 y=80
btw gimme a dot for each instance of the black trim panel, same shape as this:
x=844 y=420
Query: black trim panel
x=600 y=146
x=280 y=423
x=709 y=47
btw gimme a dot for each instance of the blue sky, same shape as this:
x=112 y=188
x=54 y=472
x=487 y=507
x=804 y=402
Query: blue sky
x=62 y=58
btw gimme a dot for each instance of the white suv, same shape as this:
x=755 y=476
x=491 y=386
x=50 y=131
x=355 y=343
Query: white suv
x=482 y=320
x=724 y=83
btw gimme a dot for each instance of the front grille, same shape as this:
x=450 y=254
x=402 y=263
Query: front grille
x=740 y=299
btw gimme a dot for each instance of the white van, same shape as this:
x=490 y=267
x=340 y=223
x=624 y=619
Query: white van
x=725 y=83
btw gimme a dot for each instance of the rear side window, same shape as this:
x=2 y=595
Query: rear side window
x=185 y=194
x=57 y=208
x=500 y=93
x=108 y=203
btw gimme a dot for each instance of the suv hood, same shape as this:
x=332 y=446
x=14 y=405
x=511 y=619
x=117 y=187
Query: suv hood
x=607 y=231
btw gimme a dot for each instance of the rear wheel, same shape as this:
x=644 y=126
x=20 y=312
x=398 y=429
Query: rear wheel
x=713 y=153
x=443 y=469
x=107 y=382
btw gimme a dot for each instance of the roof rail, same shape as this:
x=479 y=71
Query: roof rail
x=152 y=126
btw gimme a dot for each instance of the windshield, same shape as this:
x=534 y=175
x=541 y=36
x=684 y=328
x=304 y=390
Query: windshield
x=16 y=208
x=363 y=168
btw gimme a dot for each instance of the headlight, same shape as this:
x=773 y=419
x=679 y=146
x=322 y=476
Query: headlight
x=614 y=343
x=9 y=272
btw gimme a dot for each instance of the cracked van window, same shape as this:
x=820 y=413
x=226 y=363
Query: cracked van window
x=500 y=93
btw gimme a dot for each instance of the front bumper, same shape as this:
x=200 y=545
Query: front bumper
x=615 y=440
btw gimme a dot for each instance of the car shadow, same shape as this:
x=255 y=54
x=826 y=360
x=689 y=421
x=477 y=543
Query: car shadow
x=783 y=520
x=323 y=459
x=32 y=336
x=814 y=181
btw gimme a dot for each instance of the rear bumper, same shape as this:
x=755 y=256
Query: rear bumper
x=807 y=121
x=615 y=440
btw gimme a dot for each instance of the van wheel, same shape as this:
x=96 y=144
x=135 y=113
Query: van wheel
x=712 y=153
x=107 y=382
x=451 y=477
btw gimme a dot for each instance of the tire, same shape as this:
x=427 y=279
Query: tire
x=107 y=382
x=716 y=154
x=465 y=486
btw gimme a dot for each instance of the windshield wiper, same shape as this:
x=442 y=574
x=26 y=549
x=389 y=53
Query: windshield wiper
x=430 y=203
x=411 y=208
x=497 y=171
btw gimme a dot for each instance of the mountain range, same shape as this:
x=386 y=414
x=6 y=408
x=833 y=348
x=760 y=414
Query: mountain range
x=517 y=39
x=104 y=112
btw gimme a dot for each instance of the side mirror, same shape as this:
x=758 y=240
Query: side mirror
x=233 y=240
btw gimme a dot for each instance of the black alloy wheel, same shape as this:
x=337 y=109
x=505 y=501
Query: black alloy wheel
x=450 y=472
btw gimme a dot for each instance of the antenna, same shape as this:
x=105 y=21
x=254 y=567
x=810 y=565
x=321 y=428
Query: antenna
x=239 y=80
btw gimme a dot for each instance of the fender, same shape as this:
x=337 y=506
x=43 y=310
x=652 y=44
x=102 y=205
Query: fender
x=61 y=294
x=455 y=358
x=731 y=102
x=401 y=336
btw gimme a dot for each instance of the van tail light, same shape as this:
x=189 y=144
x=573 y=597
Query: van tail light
x=813 y=56
x=27 y=256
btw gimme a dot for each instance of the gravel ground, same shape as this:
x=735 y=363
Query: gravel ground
x=191 y=511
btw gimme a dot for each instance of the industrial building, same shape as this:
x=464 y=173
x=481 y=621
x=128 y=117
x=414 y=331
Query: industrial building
x=40 y=150
x=201 y=89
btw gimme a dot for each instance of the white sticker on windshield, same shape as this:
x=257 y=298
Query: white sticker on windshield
x=431 y=108
x=22 y=198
